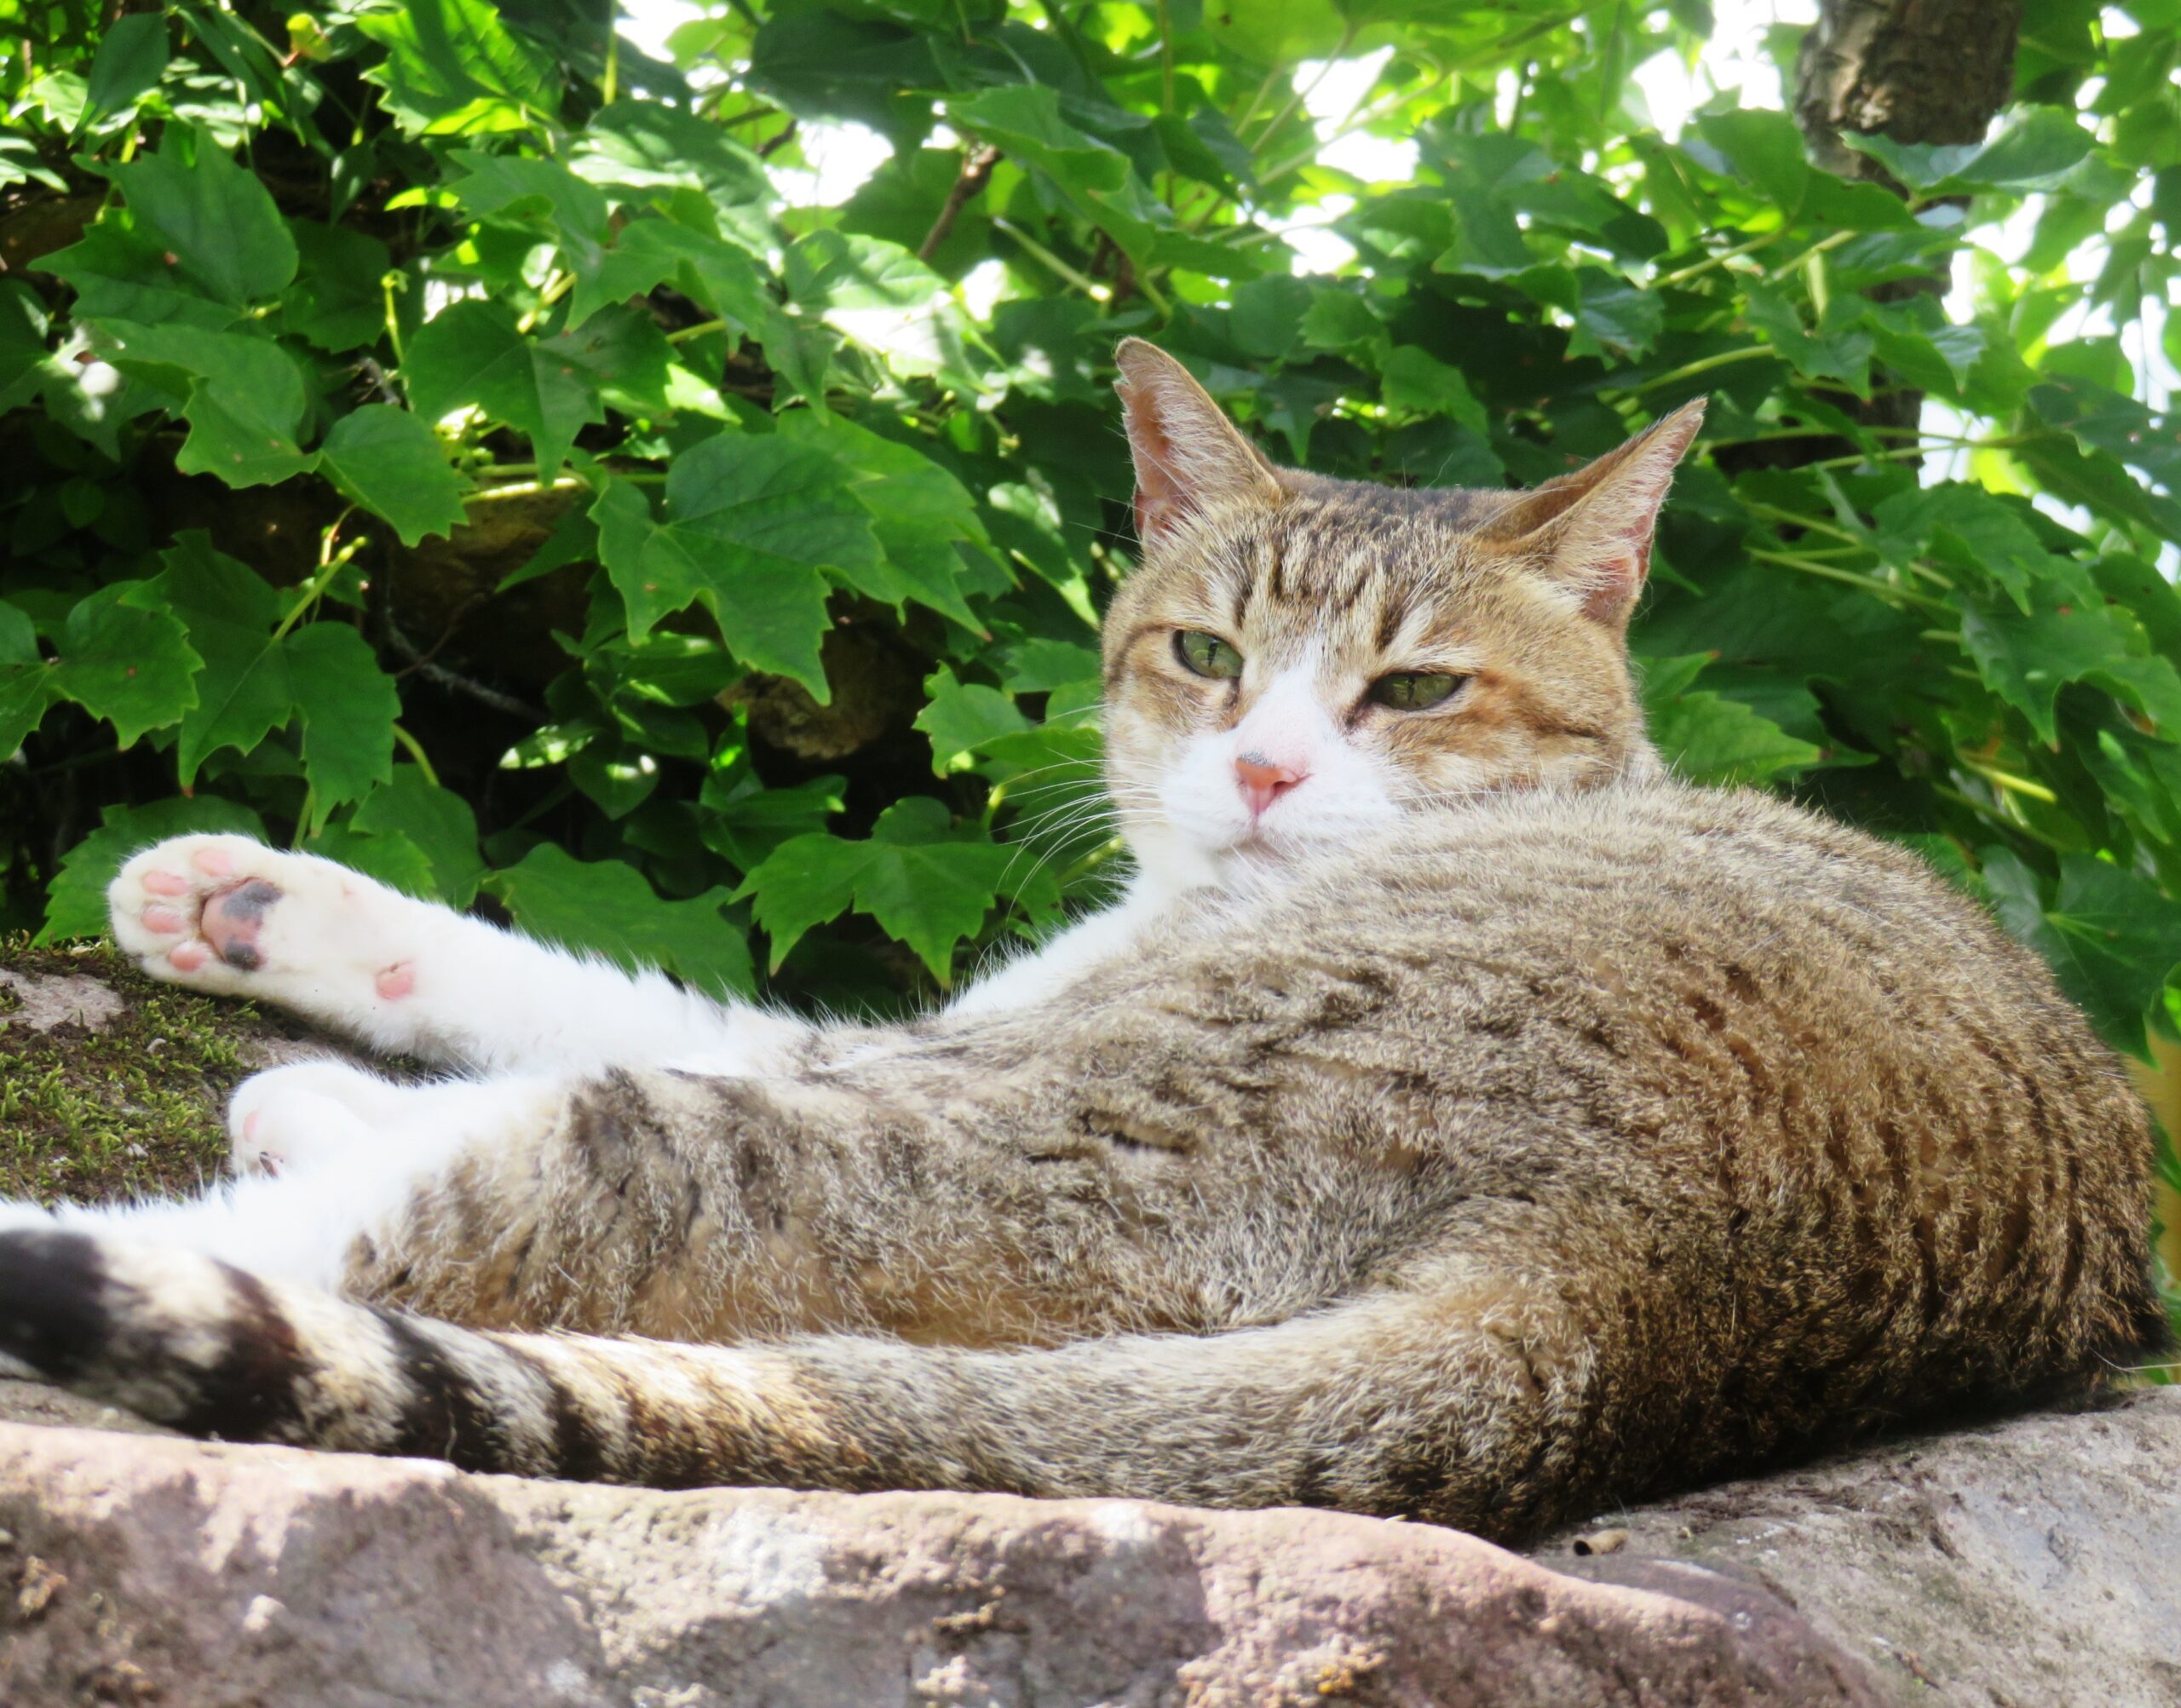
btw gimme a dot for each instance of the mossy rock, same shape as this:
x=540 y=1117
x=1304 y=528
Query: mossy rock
x=111 y=1085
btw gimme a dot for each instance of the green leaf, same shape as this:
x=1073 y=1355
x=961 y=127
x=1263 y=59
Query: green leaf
x=338 y=300
x=2111 y=938
x=1612 y=313
x=452 y=68
x=1711 y=740
x=131 y=59
x=2033 y=152
x=919 y=512
x=390 y=857
x=348 y=707
x=959 y=718
x=1765 y=151
x=245 y=692
x=246 y=401
x=131 y=665
x=1417 y=380
x=1970 y=527
x=472 y=353
x=75 y=907
x=435 y=820
x=24 y=680
x=2027 y=656
x=227 y=239
x=606 y=908
x=926 y=884
x=394 y=465
x=750 y=524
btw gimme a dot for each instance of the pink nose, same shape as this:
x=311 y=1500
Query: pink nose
x=1261 y=783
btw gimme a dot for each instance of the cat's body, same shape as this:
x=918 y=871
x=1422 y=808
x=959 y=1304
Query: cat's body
x=1545 y=1132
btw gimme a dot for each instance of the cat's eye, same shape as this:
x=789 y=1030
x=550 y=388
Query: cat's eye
x=1207 y=655
x=1414 y=690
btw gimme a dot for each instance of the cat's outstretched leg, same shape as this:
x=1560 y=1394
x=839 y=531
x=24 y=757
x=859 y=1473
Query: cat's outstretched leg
x=326 y=1156
x=230 y=916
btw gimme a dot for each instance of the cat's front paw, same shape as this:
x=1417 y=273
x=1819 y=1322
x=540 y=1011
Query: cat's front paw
x=225 y=914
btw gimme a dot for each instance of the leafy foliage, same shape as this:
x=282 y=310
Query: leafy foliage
x=436 y=435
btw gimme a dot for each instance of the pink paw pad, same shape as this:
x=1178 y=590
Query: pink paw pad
x=397 y=981
x=232 y=918
x=187 y=958
x=162 y=919
x=215 y=862
x=166 y=883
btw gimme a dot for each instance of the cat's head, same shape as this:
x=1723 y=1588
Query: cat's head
x=1299 y=659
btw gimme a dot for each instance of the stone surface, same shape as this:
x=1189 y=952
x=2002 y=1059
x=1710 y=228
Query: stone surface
x=159 y=1571
x=45 y=1001
x=2032 y=1563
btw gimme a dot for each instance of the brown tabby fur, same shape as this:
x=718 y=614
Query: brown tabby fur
x=1566 y=1141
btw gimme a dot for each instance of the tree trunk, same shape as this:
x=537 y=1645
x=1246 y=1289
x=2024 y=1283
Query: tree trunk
x=1912 y=71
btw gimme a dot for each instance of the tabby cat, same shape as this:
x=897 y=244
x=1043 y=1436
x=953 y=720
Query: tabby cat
x=1457 y=1117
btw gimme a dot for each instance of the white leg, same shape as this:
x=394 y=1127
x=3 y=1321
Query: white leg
x=230 y=916
x=342 y=1177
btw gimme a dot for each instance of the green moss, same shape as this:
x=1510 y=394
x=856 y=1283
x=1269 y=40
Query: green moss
x=128 y=1108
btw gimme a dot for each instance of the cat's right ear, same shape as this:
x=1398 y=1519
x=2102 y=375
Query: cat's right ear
x=1189 y=457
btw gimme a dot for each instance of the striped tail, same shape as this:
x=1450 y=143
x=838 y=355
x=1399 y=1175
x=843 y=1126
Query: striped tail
x=1395 y=1405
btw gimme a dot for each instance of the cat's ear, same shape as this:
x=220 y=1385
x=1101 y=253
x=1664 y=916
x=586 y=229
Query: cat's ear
x=1189 y=457
x=1592 y=528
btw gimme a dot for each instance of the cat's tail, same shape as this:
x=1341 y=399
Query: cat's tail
x=1455 y=1409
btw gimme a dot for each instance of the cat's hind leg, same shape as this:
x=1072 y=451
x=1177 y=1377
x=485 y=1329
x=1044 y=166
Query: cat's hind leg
x=336 y=1157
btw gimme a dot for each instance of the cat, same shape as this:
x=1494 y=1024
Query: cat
x=1457 y=1117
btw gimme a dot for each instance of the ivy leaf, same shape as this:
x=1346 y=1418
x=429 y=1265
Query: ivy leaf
x=338 y=300
x=389 y=856
x=1714 y=740
x=75 y=907
x=1610 y=312
x=750 y=523
x=393 y=465
x=918 y=510
x=606 y=908
x=1765 y=151
x=217 y=220
x=961 y=717
x=743 y=820
x=453 y=69
x=349 y=706
x=131 y=59
x=647 y=254
x=499 y=185
x=2033 y=152
x=245 y=692
x=246 y=402
x=2027 y=656
x=435 y=820
x=645 y=145
x=121 y=662
x=471 y=353
x=1976 y=531
x=2110 y=937
x=24 y=680
x=925 y=883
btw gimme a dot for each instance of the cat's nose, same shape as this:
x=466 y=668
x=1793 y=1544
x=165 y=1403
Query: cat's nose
x=1263 y=782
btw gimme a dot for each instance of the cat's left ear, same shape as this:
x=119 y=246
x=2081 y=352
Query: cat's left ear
x=1593 y=528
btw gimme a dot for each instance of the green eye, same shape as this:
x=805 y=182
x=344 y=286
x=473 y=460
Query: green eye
x=1207 y=654
x=1414 y=690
